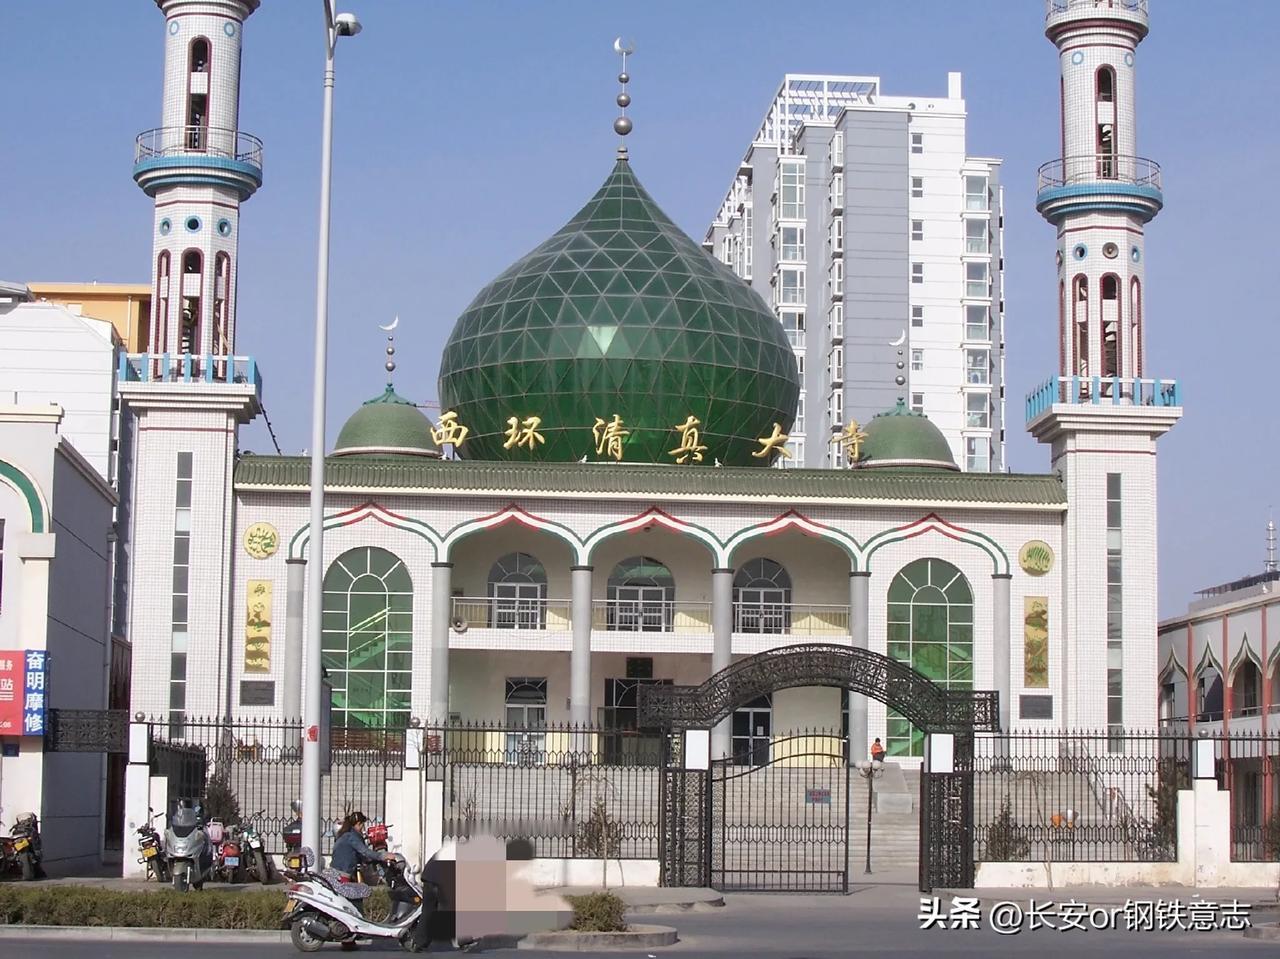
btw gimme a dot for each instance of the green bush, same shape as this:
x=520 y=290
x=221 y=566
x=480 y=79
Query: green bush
x=598 y=912
x=1005 y=842
x=220 y=801
x=92 y=906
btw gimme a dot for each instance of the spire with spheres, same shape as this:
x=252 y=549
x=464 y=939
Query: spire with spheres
x=622 y=125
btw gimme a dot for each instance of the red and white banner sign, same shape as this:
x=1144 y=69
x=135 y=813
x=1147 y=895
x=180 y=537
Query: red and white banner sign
x=13 y=669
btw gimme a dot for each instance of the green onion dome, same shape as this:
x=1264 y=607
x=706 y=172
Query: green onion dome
x=387 y=425
x=903 y=437
x=619 y=314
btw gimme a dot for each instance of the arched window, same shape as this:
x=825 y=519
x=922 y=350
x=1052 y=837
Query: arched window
x=192 y=281
x=930 y=627
x=1111 y=358
x=198 y=94
x=1208 y=694
x=1246 y=689
x=518 y=593
x=1135 y=324
x=1106 y=85
x=1062 y=328
x=641 y=596
x=762 y=598
x=161 y=340
x=221 y=291
x=367 y=645
x=1080 y=325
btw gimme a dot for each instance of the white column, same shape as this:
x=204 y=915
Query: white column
x=441 y=615
x=295 y=603
x=721 y=649
x=859 y=638
x=1000 y=655
x=137 y=797
x=580 y=656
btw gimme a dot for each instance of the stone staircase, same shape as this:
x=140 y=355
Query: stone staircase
x=895 y=823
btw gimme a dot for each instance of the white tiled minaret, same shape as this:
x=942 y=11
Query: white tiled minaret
x=198 y=167
x=185 y=401
x=1099 y=415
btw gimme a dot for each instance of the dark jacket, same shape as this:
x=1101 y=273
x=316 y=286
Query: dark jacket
x=349 y=850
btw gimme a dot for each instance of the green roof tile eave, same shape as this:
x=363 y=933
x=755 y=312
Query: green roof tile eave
x=886 y=485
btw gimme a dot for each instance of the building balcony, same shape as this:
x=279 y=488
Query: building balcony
x=197 y=155
x=163 y=371
x=647 y=616
x=1099 y=182
x=1062 y=13
x=1102 y=391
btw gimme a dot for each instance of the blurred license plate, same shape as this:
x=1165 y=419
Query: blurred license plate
x=288 y=905
x=232 y=860
x=150 y=852
x=21 y=844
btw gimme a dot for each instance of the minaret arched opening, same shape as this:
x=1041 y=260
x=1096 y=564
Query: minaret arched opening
x=192 y=283
x=1105 y=108
x=221 y=291
x=1080 y=325
x=160 y=324
x=1110 y=325
x=198 y=94
x=1135 y=324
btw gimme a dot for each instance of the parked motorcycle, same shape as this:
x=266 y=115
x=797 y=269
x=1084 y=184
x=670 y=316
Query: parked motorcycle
x=375 y=873
x=320 y=908
x=292 y=836
x=225 y=844
x=21 y=850
x=151 y=846
x=253 y=852
x=187 y=848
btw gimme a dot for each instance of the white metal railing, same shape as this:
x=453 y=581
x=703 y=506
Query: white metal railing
x=1091 y=168
x=1102 y=390
x=201 y=141
x=510 y=612
x=189 y=368
x=650 y=616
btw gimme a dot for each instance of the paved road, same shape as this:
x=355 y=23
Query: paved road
x=880 y=920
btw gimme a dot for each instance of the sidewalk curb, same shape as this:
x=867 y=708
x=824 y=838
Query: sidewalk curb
x=144 y=934
x=636 y=937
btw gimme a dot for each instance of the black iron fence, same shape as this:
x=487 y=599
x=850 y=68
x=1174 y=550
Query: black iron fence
x=250 y=771
x=1079 y=796
x=1246 y=764
x=573 y=792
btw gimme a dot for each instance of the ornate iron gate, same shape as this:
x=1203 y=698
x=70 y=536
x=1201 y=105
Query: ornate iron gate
x=946 y=823
x=682 y=814
x=783 y=825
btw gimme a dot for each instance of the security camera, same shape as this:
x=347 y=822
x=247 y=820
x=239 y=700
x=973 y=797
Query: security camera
x=346 y=25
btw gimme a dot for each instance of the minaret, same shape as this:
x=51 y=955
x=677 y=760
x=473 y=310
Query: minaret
x=198 y=167
x=1100 y=415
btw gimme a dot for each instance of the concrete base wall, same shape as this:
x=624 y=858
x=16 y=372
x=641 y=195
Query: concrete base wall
x=1204 y=856
x=545 y=873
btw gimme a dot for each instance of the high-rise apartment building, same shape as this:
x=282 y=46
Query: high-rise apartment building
x=878 y=241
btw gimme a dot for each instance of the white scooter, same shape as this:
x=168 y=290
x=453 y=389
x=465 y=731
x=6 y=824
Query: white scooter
x=320 y=908
x=187 y=849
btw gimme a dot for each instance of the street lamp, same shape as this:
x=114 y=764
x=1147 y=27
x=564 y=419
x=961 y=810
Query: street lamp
x=335 y=26
x=870 y=771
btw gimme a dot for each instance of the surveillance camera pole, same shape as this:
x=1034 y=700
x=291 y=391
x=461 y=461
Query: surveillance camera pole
x=312 y=708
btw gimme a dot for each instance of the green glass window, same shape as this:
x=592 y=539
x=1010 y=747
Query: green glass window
x=930 y=626
x=367 y=645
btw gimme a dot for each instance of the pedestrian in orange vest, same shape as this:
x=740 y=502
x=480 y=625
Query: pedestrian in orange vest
x=877 y=751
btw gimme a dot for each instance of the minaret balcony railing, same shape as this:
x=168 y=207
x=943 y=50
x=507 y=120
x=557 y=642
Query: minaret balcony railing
x=188 y=368
x=1103 y=168
x=199 y=141
x=1102 y=391
x=1058 y=11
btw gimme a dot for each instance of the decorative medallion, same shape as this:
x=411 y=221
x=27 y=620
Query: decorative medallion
x=1080 y=251
x=224 y=228
x=229 y=28
x=165 y=226
x=261 y=540
x=173 y=28
x=193 y=224
x=1077 y=58
x=1128 y=59
x=1036 y=557
x=1135 y=254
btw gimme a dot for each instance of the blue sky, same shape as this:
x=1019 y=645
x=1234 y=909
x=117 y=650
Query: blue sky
x=469 y=130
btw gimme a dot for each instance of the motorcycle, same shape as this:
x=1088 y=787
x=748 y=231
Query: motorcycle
x=225 y=843
x=187 y=848
x=22 y=848
x=152 y=849
x=320 y=908
x=292 y=836
x=254 y=852
x=375 y=873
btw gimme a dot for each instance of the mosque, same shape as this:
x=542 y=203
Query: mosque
x=593 y=510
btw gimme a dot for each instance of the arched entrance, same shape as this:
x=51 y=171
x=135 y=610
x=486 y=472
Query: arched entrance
x=948 y=718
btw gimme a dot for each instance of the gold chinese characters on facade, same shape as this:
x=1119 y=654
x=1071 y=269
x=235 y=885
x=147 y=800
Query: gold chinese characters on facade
x=609 y=436
x=261 y=540
x=257 y=626
x=851 y=439
x=523 y=432
x=449 y=431
x=690 y=448
x=775 y=441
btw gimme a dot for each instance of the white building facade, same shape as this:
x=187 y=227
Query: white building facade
x=878 y=239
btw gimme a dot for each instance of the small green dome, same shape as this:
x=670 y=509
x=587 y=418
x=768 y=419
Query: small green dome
x=387 y=425
x=903 y=437
x=619 y=314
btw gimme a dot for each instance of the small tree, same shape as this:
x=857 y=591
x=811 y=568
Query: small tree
x=1005 y=841
x=220 y=800
x=1171 y=776
x=1271 y=837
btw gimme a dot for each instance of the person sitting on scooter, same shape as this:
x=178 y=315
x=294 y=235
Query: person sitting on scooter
x=350 y=850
